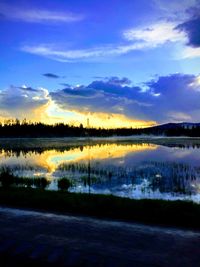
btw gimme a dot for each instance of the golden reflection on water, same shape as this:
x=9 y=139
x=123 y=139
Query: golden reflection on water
x=51 y=159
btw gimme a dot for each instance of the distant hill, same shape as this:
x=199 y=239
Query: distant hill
x=177 y=125
x=173 y=129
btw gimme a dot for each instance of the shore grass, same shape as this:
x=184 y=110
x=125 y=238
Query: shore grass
x=161 y=212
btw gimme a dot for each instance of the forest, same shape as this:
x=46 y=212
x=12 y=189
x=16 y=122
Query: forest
x=24 y=128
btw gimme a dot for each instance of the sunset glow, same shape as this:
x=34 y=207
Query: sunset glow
x=118 y=64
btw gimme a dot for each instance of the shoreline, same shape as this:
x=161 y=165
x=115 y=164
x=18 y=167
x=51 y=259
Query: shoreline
x=62 y=142
x=184 y=214
x=115 y=137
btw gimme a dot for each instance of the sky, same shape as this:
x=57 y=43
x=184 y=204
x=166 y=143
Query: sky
x=120 y=63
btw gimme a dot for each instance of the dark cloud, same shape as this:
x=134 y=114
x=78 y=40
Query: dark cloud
x=192 y=29
x=175 y=97
x=114 y=80
x=30 y=89
x=101 y=96
x=51 y=75
x=117 y=81
x=178 y=97
x=168 y=98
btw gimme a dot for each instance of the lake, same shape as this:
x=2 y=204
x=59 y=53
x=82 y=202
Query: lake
x=156 y=168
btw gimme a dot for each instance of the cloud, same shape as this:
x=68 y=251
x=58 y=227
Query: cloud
x=190 y=52
x=26 y=88
x=192 y=29
x=51 y=75
x=100 y=96
x=172 y=98
x=90 y=54
x=22 y=101
x=37 y=104
x=162 y=31
x=114 y=80
x=175 y=9
x=143 y=38
x=179 y=97
x=35 y=15
x=155 y=34
x=118 y=81
x=55 y=53
x=169 y=98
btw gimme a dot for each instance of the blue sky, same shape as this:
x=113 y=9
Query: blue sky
x=66 y=60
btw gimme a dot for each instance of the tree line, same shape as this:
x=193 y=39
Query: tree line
x=17 y=128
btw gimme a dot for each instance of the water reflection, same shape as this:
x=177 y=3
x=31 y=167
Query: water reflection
x=128 y=169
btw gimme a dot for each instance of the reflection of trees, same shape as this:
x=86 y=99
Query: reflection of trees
x=39 y=146
x=24 y=147
x=179 y=145
x=18 y=152
x=22 y=167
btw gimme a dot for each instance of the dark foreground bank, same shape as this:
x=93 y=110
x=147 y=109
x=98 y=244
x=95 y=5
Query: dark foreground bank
x=171 y=213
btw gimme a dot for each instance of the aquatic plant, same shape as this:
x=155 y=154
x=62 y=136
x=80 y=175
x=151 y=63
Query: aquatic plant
x=41 y=182
x=64 y=184
x=6 y=177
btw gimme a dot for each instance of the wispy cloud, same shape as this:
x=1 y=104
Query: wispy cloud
x=53 y=52
x=134 y=39
x=155 y=34
x=190 y=52
x=141 y=38
x=185 y=34
x=149 y=36
x=35 y=15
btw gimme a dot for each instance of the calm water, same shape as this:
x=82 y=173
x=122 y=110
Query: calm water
x=137 y=169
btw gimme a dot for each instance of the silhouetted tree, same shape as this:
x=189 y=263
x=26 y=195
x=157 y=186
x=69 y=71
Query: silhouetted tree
x=16 y=128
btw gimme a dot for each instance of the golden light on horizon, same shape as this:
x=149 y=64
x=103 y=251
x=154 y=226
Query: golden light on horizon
x=54 y=114
x=51 y=113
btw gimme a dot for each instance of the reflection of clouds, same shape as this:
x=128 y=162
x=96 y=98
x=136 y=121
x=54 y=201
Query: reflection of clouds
x=118 y=154
x=109 y=151
x=180 y=153
x=134 y=168
x=51 y=159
